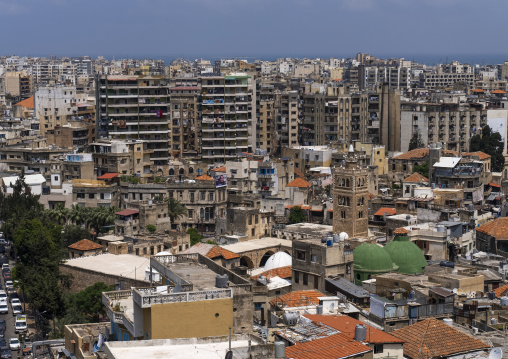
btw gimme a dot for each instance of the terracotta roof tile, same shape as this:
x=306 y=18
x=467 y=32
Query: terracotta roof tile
x=372 y=195
x=28 y=103
x=346 y=325
x=127 y=212
x=204 y=178
x=498 y=228
x=297 y=299
x=282 y=272
x=299 y=173
x=298 y=182
x=85 y=245
x=388 y=211
x=218 y=251
x=401 y=230
x=432 y=338
x=413 y=154
x=332 y=347
x=501 y=291
x=499 y=91
x=108 y=176
x=219 y=169
x=481 y=155
x=416 y=178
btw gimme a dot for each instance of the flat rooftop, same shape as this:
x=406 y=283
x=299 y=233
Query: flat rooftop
x=110 y=238
x=125 y=265
x=195 y=348
x=257 y=244
x=198 y=274
x=311 y=229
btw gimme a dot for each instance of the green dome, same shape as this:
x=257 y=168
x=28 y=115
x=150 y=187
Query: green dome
x=406 y=255
x=370 y=257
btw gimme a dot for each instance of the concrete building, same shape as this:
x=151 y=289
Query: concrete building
x=135 y=108
x=227 y=123
x=184 y=112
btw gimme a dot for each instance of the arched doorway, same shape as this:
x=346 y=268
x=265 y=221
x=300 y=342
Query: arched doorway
x=265 y=258
x=246 y=262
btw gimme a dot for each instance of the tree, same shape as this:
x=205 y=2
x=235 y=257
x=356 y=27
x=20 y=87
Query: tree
x=78 y=214
x=416 y=141
x=492 y=144
x=151 y=228
x=422 y=169
x=60 y=214
x=88 y=302
x=72 y=234
x=195 y=237
x=175 y=210
x=297 y=215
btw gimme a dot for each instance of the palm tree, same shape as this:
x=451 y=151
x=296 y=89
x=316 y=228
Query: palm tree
x=175 y=210
x=60 y=214
x=78 y=215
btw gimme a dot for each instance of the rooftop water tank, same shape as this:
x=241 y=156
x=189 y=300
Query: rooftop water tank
x=280 y=350
x=221 y=281
x=329 y=242
x=290 y=318
x=504 y=301
x=448 y=321
x=360 y=333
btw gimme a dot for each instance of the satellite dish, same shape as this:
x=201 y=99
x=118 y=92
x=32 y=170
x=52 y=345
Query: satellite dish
x=496 y=353
x=454 y=290
x=459 y=291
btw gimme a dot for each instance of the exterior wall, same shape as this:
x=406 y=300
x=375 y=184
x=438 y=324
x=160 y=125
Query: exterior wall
x=467 y=284
x=54 y=106
x=84 y=337
x=395 y=351
x=189 y=319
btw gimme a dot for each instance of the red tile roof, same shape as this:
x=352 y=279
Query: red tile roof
x=85 y=245
x=28 y=103
x=108 y=176
x=297 y=299
x=401 y=230
x=492 y=184
x=478 y=90
x=218 y=251
x=481 y=155
x=346 y=325
x=282 y=272
x=413 y=154
x=219 y=169
x=499 y=91
x=332 y=347
x=498 y=228
x=127 y=212
x=501 y=291
x=372 y=195
x=298 y=182
x=204 y=178
x=388 y=211
x=299 y=173
x=432 y=338
x=416 y=178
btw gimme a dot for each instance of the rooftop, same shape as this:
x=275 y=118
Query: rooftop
x=331 y=347
x=300 y=298
x=257 y=244
x=385 y=210
x=498 y=228
x=299 y=182
x=199 y=275
x=125 y=265
x=28 y=103
x=416 y=178
x=85 y=245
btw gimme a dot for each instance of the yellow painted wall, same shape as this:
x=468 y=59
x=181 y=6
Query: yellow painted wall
x=189 y=319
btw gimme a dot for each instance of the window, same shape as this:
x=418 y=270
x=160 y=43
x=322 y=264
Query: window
x=313 y=258
x=91 y=196
x=190 y=213
x=203 y=195
x=80 y=195
x=297 y=276
x=378 y=348
x=300 y=255
x=210 y=196
x=305 y=279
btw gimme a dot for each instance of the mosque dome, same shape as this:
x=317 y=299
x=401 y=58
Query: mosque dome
x=371 y=259
x=277 y=260
x=405 y=253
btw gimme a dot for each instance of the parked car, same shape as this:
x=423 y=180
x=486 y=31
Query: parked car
x=17 y=309
x=3 y=296
x=2 y=333
x=2 y=325
x=27 y=348
x=9 y=285
x=5 y=266
x=15 y=301
x=5 y=353
x=3 y=343
x=14 y=344
x=4 y=308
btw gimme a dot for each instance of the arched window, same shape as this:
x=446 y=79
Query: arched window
x=171 y=172
x=181 y=171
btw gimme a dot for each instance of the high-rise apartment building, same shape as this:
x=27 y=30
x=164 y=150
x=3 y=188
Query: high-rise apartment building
x=184 y=112
x=227 y=124
x=135 y=108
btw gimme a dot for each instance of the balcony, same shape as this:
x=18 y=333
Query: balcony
x=145 y=298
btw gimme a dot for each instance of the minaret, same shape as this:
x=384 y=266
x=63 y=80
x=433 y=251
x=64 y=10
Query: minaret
x=351 y=198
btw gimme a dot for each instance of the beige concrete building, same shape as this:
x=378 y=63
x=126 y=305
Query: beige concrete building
x=185 y=133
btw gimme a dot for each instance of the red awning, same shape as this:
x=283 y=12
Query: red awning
x=494 y=185
x=127 y=212
x=108 y=176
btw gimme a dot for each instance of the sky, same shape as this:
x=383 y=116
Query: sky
x=257 y=28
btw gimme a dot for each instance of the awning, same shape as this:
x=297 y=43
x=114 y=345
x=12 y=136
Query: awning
x=127 y=212
x=492 y=184
x=108 y=176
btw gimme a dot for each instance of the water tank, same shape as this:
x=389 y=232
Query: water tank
x=221 y=281
x=493 y=321
x=447 y=264
x=504 y=301
x=470 y=207
x=280 y=350
x=336 y=238
x=290 y=318
x=492 y=295
x=324 y=239
x=329 y=242
x=440 y=228
x=433 y=185
x=360 y=333
x=408 y=217
x=319 y=309
x=448 y=321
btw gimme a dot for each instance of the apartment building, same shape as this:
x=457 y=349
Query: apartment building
x=451 y=124
x=18 y=84
x=227 y=123
x=184 y=127
x=266 y=113
x=94 y=193
x=288 y=120
x=135 y=108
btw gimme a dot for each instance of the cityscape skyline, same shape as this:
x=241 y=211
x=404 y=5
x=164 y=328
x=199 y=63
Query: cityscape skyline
x=227 y=28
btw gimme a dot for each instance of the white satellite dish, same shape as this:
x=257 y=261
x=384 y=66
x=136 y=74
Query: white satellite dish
x=496 y=353
x=459 y=291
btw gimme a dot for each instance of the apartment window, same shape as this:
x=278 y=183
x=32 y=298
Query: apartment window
x=91 y=196
x=305 y=279
x=192 y=197
x=313 y=258
x=190 y=213
x=203 y=195
x=210 y=196
x=297 y=277
x=378 y=348
x=300 y=255
x=80 y=195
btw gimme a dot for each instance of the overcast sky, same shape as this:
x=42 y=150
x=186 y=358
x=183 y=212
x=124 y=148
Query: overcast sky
x=256 y=28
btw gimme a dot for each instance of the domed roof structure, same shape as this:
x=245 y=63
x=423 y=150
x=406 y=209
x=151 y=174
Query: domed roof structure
x=277 y=260
x=406 y=254
x=372 y=258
